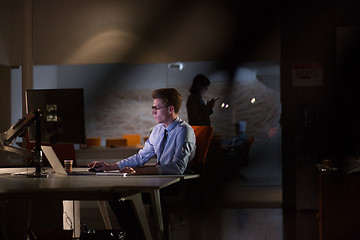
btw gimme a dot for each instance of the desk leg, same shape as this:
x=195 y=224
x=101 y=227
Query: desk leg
x=140 y=212
x=71 y=216
x=104 y=214
x=156 y=205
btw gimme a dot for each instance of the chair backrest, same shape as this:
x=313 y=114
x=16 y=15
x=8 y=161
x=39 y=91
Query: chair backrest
x=116 y=142
x=93 y=141
x=251 y=140
x=132 y=139
x=203 y=136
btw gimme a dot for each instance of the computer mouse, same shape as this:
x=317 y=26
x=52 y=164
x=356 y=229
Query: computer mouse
x=95 y=170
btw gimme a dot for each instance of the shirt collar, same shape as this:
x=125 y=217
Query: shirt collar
x=172 y=125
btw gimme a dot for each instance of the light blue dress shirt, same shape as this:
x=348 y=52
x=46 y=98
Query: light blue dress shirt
x=179 y=148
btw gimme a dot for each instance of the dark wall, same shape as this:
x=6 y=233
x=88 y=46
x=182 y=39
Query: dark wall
x=347 y=94
x=5 y=98
x=309 y=35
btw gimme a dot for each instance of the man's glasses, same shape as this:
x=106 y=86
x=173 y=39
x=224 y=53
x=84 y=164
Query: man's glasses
x=157 y=108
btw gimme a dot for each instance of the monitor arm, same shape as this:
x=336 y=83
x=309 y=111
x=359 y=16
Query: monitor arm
x=7 y=139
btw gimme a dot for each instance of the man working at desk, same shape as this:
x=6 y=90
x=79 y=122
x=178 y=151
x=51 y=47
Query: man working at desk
x=172 y=140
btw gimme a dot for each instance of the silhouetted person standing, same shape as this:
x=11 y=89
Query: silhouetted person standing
x=198 y=111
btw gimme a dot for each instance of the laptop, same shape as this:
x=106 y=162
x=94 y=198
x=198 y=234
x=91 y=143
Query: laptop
x=56 y=164
x=59 y=169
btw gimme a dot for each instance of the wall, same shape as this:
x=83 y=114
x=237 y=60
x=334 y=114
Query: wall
x=4 y=29
x=16 y=95
x=93 y=31
x=120 y=31
x=309 y=39
x=309 y=36
x=5 y=107
x=10 y=32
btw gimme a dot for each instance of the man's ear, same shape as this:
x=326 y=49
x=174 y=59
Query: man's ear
x=171 y=109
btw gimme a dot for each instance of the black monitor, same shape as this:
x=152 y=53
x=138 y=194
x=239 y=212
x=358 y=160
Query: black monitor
x=61 y=115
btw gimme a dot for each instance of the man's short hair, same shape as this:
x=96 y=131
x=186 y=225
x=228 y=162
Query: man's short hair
x=170 y=97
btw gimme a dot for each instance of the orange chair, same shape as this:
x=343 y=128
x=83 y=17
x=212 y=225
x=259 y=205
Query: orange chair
x=93 y=141
x=251 y=140
x=132 y=139
x=203 y=136
x=116 y=142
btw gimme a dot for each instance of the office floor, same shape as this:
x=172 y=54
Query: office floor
x=248 y=211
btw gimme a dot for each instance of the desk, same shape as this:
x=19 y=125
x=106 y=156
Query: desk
x=339 y=206
x=57 y=187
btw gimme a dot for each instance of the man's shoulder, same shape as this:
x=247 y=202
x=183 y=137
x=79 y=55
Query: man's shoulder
x=184 y=124
x=186 y=129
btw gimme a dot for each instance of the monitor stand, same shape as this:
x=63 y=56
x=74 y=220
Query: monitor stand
x=38 y=154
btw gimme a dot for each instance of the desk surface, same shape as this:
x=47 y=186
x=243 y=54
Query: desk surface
x=85 y=187
x=77 y=187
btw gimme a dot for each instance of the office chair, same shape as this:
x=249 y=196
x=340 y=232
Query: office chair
x=203 y=135
x=116 y=142
x=132 y=139
x=93 y=142
x=237 y=156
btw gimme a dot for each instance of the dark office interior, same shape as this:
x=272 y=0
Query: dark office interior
x=314 y=45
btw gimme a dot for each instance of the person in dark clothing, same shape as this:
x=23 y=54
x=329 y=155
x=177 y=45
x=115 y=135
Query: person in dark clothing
x=198 y=111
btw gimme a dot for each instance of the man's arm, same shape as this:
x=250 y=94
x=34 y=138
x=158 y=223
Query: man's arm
x=140 y=170
x=103 y=166
x=140 y=158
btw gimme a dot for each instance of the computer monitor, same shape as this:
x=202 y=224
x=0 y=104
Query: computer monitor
x=61 y=115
